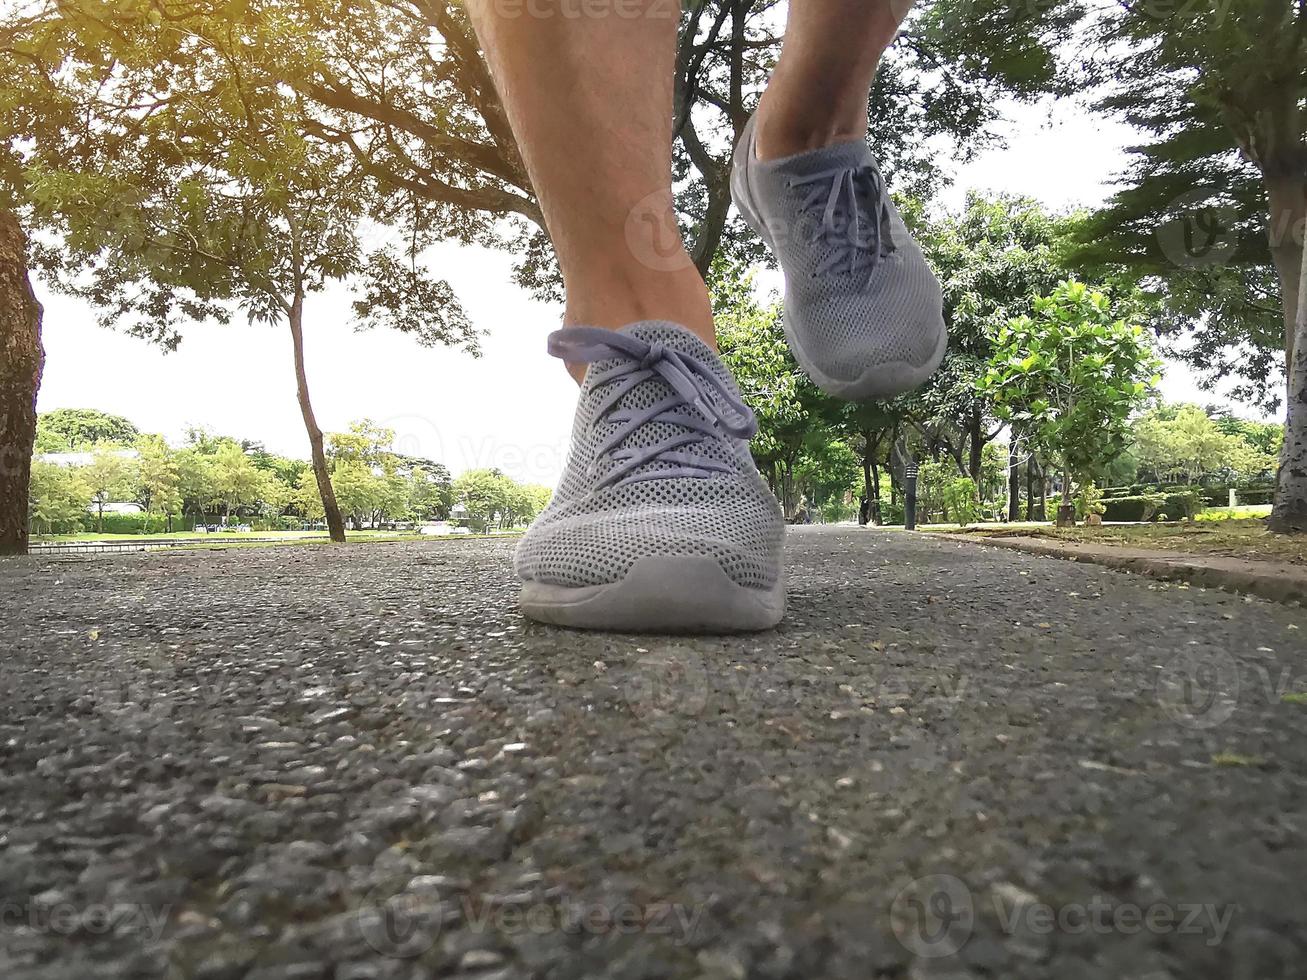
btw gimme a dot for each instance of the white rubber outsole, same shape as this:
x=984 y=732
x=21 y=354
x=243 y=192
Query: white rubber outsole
x=882 y=381
x=664 y=594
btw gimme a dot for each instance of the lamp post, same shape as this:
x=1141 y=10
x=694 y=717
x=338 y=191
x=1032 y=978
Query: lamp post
x=910 y=497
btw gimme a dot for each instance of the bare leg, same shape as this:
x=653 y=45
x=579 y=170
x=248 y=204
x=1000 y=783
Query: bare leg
x=818 y=93
x=590 y=101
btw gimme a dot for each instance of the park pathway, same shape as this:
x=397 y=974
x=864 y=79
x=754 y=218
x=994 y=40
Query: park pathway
x=311 y=763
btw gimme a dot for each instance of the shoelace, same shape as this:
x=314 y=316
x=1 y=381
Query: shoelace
x=840 y=187
x=693 y=385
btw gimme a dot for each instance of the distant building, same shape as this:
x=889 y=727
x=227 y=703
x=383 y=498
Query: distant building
x=82 y=459
x=116 y=507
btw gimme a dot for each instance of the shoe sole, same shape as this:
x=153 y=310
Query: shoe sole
x=882 y=381
x=661 y=594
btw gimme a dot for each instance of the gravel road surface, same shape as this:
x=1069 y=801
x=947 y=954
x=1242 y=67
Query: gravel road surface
x=311 y=763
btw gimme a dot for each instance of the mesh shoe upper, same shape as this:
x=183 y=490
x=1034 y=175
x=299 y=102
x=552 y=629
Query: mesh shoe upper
x=659 y=465
x=858 y=291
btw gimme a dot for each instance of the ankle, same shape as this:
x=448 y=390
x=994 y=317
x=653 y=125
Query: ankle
x=614 y=298
x=787 y=126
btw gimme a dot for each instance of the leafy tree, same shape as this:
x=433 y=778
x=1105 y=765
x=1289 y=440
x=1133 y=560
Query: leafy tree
x=1071 y=376
x=357 y=488
x=366 y=442
x=306 y=498
x=110 y=476
x=59 y=497
x=236 y=480
x=275 y=494
x=430 y=492
x=403 y=85
x=196 y=480
x=1210 y=214
x=752 y=342
x=827 y=472
x=158 y=477
x=220 y=198
x=1184 y=442
x=993 y=259
x=72 y=429
x=485 y=494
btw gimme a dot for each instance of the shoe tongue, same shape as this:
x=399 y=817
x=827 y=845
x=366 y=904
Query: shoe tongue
x=675 y=337
x=841 y=156
x=672 y=336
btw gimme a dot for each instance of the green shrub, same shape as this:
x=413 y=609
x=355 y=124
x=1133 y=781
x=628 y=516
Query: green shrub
x=1089 y=500
x=1147 y=507
x=834 y=511
x=136 y=523
x=1218 y=494
x=959 y=500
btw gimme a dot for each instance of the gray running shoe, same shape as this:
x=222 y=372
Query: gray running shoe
x=661 y=522
x=863 y=312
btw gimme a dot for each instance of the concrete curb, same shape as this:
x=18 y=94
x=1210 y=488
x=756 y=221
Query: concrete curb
x=1275 y=580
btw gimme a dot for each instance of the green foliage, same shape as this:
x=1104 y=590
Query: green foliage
x=484 y=493
x=1146 y=507
x=1216 y=89
x=58 y=498
x=358 y=490
x=158 y=477
x=827 y=473
x=1071 y=375
x=235 y=479
x=110 y=475
x=1183 y=442
x=959 y=500
x=73 y=429
x=1089 y=500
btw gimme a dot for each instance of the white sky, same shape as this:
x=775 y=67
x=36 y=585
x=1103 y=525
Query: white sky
x=512 y=408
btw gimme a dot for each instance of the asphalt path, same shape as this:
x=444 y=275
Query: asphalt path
x=361 y=762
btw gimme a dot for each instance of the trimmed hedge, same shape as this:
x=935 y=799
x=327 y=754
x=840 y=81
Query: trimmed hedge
x=1146 y=507
x=135 y=523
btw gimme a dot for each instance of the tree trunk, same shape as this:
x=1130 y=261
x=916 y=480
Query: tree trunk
x=977 y=449
x=331 y=510
x=1030 y=488
x=1066 y=511
x=22 y=359
x=1035 y=511
x=864 y=512
x=788 y=503
x=875 y=494
x=1287 y=199
x=1289 y=516
x=1013 y=480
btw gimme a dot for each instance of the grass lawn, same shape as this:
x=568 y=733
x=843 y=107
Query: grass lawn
x=1237 y=537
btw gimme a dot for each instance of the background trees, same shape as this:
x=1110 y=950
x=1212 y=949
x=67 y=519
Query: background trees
x=206 y=189
x=1211 y=213
x=209 y=159
x=1071 y=376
